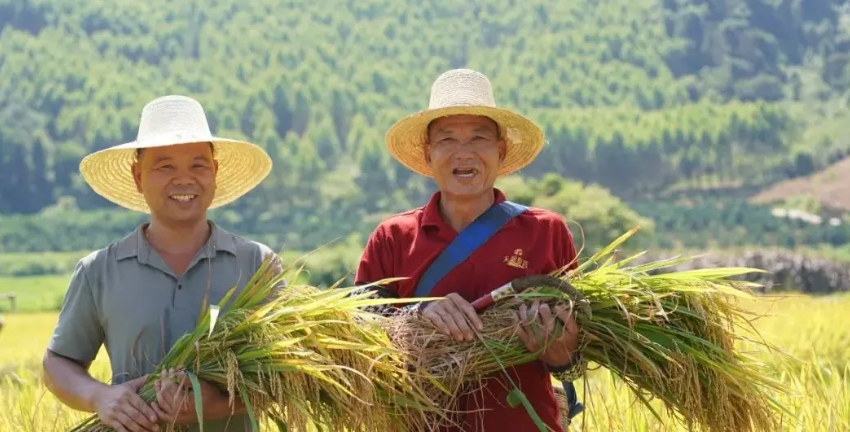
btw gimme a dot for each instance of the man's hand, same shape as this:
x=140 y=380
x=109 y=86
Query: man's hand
x=121 y=408
x=453 y=316
x=537 y=331
x=175 y=404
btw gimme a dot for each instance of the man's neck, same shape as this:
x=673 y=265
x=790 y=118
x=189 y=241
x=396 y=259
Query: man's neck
x=181 y=239
x=460 y=212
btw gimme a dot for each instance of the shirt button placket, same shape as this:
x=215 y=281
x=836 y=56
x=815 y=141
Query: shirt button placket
x=177 y=292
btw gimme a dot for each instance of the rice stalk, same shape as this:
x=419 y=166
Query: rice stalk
x=668 y=336
x=300 y=357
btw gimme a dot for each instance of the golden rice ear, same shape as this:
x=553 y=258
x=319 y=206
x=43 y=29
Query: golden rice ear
x=309 y=357
x=672 y=337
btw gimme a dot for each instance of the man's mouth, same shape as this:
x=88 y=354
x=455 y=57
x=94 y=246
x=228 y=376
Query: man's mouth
x=465 y=172
x=183 y=197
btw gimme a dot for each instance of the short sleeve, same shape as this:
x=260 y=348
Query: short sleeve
x=376 y=261
x=78 y=334
x=565 y=252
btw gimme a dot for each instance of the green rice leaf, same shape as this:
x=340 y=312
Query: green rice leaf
x=249 y=407
x=515 y=398
x=199 y=406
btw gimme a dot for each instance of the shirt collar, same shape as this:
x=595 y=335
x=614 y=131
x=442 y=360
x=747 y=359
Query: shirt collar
x=433 y=217
x=136 y=245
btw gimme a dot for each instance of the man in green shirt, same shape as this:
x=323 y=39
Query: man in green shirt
x=138 y=295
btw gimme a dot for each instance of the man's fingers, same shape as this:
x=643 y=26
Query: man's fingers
x=533 y=324
x=461 y=322
x=567 y=316
x=129 y=423
x=547 y=318
x=523 y=315
x=438 y=321
x=519 y=330
x=183 y=379
x=167 y=396
x=524 y=336
x=161 y=414
x=534 y=310
x=136 y=384
x=144 y=409
x=449 y=319
x=117 y=426
x=548 y=323
x=569 y=335
x=469 y=311
x=140 y=419
x=176 y=395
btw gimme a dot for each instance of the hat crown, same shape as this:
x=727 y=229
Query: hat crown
x=173 y=117
x=461 y=87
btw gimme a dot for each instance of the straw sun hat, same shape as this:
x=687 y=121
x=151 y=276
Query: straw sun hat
x=464 y=91
x=167 y=121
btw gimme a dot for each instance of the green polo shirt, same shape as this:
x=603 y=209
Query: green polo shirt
x=126 y=297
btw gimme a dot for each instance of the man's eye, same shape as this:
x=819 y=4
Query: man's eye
x=199 y=166
x=165 y=167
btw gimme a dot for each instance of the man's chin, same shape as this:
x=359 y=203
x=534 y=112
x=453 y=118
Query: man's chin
x=466 y=191
x=181 y=216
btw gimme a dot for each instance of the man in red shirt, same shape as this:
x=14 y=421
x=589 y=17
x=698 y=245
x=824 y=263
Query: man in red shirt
x=464 y=142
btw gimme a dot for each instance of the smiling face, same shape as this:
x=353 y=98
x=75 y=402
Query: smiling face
x=178 y=181
x=465 y=153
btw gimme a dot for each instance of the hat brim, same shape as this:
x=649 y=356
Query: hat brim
x=241 y=167
x=407 y=138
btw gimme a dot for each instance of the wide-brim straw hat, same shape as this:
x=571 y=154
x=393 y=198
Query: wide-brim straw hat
x=167 y=121
x=464 y=91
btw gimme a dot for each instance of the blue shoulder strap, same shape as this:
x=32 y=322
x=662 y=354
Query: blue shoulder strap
x=467 y=242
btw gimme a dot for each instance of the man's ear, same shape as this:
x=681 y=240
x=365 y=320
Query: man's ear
x=137 y=176
x=503 y=150
x=427 y=150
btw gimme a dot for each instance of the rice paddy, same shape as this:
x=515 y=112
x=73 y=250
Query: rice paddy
x=815 y=330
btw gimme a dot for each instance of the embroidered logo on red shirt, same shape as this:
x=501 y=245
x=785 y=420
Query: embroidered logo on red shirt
x=516 y=260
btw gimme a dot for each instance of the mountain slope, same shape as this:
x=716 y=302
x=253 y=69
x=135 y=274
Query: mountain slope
x=636 y=95
x=830 y=188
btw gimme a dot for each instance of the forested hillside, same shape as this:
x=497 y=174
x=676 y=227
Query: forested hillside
x=641 y=97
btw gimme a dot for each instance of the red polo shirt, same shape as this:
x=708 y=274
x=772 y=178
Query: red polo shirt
x=535 y=242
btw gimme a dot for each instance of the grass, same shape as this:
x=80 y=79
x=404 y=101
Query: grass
x=25 y=405
x=34 y=293
x=39 y=263
x=815 y=330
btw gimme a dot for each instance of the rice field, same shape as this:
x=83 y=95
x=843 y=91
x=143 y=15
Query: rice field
x=34 y=293
x=815 y=330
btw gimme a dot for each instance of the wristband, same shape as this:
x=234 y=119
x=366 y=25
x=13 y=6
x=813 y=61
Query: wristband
x=570 y=372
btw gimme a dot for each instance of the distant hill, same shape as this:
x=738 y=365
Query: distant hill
x=638 y=96
x=830 y=188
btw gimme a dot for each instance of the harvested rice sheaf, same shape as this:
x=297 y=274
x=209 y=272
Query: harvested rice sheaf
x=670 y=336
x=302 y=358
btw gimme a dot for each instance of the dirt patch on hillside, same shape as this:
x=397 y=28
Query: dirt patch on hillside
x=831 y=187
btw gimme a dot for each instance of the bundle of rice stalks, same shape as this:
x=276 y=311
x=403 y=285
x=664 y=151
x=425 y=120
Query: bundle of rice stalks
x=669 y=336
x=301 y=357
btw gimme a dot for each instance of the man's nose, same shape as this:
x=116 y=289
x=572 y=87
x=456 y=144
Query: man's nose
x=183 y=177
x=463 y=149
